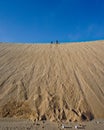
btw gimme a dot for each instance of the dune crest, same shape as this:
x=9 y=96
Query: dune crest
x=52 y=82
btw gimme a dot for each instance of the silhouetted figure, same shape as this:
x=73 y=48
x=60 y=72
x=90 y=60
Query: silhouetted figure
x=57 y=42
x=51 y=42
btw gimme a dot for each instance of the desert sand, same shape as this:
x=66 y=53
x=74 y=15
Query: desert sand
x=20 y=124
x=55 y=82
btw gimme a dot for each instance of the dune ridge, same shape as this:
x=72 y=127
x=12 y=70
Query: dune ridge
x=52 y=82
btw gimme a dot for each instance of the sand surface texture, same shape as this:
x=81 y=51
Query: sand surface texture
x=13 y=124
x=52 y=82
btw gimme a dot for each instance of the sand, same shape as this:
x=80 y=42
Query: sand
x=63 y=82
x=13 y=124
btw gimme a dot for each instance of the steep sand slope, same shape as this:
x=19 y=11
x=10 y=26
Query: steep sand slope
x=53 y=82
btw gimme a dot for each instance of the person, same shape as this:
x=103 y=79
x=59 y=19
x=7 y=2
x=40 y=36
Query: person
x=57 y=42
x=51 y=42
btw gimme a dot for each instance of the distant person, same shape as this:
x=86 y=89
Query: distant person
x=57 y=42
x=51 y=42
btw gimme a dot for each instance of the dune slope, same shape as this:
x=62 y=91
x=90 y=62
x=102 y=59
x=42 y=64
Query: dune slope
x=53 y=82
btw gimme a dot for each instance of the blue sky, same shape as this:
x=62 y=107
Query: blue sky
x=50 y=20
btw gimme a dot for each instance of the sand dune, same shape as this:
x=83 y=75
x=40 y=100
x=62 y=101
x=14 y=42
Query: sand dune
x=53 y=82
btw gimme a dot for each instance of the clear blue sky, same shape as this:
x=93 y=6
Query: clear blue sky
x=47 y=20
